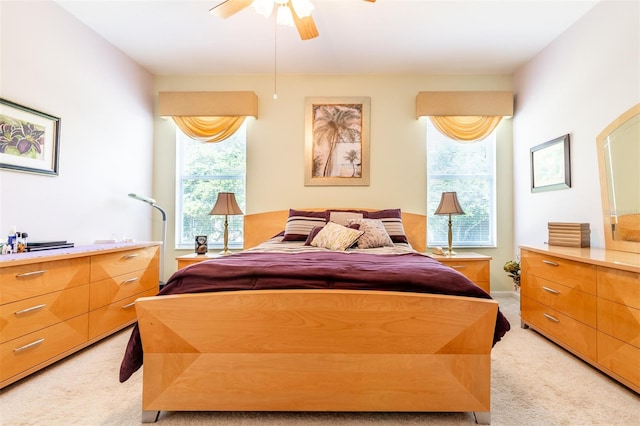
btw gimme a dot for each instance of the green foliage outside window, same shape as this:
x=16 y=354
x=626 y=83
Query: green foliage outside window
x=204 y=170
x=468 y=169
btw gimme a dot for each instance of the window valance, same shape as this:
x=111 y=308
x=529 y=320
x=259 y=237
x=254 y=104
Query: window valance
x=465 y=116
x=208 y=104
x=208 y=116
x=434 y=104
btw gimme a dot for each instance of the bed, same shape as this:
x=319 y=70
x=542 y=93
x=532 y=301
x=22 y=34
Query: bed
x=317 y=329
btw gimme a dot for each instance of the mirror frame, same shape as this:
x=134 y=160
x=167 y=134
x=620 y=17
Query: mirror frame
x=610 y=243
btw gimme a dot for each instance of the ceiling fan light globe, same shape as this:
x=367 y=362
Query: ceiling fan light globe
x=303 y=8
x=263 y=7
x=284 y=16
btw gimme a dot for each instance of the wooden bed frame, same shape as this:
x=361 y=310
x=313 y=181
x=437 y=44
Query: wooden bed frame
x=316 y=350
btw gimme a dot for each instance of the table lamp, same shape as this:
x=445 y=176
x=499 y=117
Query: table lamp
x=449 y=205
x=226 y=205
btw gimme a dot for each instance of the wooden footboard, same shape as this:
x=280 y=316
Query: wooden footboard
x=316 y=350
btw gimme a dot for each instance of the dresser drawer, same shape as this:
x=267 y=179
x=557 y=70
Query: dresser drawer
x=619 y=357
x=562 y=329
x=620 y=321
x=109 y=290
x=28 y=351
x=567 y=300
x=581 y=276
x=114 y=316
x=28 y=315
x=114 y=264
x=619 y=286
x=36 y=279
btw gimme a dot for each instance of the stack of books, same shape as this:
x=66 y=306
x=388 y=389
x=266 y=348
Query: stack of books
x=47 y=245
x=569 y=234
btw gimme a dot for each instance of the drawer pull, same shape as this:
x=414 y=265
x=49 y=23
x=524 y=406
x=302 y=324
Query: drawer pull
x=550 y=290
x=29 y=274
x=33 y=308
x=130 y=256
x=548 y=262
x=29 y=345
x=130 y=280
x=549 y=317
x=458 y=266
x=129 y=305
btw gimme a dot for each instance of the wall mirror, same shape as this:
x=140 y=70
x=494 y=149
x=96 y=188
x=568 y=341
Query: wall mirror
x=619 y=168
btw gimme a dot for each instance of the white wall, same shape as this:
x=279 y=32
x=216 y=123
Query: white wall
x=578 y=84
x=53 y=63
x=275 y=151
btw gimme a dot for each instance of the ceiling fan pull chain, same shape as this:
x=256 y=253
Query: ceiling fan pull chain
x=275 y=59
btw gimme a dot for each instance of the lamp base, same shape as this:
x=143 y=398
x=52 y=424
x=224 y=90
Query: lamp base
x=225 y=252
x=450 y=253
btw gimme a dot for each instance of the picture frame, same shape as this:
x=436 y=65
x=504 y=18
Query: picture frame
x=337 y=141
x=551 y=165
x=201 y=244
x=29 y=139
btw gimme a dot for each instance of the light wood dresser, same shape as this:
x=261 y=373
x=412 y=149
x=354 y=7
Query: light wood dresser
x=586 y=300
x=56 y=302
x=475 y=266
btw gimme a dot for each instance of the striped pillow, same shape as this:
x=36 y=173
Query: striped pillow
x=300 y=223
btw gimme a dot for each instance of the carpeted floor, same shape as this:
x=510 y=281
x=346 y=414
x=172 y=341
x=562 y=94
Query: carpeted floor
x=534 y=382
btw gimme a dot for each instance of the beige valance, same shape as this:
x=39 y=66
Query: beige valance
x=464 y=104
x=208 y=104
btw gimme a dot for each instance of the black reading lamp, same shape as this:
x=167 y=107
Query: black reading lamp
x=153 y=204
x=226 y=205
x=449 y=205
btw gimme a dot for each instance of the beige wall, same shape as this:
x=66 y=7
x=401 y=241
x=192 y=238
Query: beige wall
x=275 y=150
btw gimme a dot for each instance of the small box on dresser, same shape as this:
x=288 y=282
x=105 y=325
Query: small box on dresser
x=569 y=234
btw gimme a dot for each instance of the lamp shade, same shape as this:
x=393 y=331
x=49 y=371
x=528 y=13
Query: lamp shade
x=449 y=204
x=226 y=205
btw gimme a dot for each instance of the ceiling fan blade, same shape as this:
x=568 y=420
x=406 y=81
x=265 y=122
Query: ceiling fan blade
x=306 y=26
x=227 y=8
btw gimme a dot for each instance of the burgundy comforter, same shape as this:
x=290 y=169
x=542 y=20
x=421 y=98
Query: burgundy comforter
x=411 y=272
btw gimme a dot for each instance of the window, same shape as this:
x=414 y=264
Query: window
x=203 y=170
x=469 y=170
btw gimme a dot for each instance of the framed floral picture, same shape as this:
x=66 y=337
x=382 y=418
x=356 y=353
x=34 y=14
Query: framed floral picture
x=337 y=141
x=29 y=139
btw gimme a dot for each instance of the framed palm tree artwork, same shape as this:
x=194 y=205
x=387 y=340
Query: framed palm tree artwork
x=337 y=141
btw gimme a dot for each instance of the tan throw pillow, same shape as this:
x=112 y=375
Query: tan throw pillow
x=336 y=237
x=343 y=218
x=375 y=234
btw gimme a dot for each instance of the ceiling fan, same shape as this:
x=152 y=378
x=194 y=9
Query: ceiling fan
x=289 y=12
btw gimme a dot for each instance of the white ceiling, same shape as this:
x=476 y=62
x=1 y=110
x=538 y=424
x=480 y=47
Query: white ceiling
x=389 y=36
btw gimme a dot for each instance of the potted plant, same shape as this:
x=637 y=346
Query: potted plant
x=512 y=268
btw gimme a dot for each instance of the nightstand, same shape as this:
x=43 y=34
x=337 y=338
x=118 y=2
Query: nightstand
x=474 y=266
x=190 y=259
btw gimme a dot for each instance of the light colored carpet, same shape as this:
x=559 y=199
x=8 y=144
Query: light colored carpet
x=534 y=382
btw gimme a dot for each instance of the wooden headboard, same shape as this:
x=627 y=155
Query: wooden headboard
x=259 y=227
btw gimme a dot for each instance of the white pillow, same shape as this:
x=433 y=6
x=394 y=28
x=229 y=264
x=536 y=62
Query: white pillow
x=375 y=234
x=336 y=237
